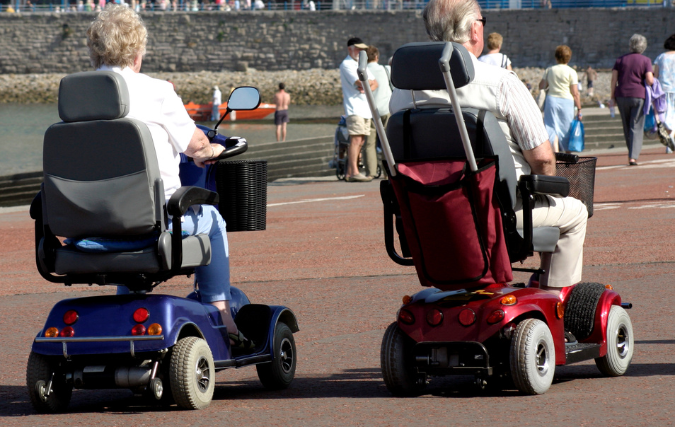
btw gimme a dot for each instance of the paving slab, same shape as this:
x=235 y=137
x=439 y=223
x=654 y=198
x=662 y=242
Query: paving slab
x=323 y=256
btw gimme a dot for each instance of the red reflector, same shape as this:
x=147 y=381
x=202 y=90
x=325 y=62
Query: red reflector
x=496 y=316
x=67 y=332
x=434 y=317
x=141 y=315
x=70 y=317
x=406 y=317
x=467 y=317
x=138 y=330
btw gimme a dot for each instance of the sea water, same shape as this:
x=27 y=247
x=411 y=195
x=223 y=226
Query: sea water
x=22 y=129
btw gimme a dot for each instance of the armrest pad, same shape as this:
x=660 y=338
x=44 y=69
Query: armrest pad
x=567 y=158
x=185 y=197
x=36 y=207
x=545 y=184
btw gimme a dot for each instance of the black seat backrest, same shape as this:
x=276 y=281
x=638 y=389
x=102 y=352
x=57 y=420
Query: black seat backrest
x=101 y=176
x=432 y=132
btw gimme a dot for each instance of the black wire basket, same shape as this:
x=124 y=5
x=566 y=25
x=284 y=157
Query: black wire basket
x=581 y=175
x=242 y=187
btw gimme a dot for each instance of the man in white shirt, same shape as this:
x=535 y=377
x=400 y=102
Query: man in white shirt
x=504 y=95
x=216 y=101
x=356 y=108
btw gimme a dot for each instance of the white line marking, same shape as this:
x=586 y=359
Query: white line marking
x=606 y=206
x=649 y=164
x=316 y=200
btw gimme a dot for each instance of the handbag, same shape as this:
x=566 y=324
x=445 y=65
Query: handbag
x=576 y=142
x=650 y=121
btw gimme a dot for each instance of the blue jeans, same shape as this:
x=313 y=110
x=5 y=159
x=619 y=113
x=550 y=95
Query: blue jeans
x=213 y=280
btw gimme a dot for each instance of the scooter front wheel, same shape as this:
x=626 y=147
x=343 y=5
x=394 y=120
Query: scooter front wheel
x=532 y=357
x=396 y=362
x=620 y=343
x=279 y=373
x=193 y=373
x=46 y=386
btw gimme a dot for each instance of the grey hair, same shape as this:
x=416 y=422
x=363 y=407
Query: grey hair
x=450 y=20
x=637 y=43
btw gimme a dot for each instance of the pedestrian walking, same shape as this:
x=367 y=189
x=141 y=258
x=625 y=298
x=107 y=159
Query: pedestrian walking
x=664 y=71
x=591 y=76
x=563 y=95
x=493 y=56
x=382 y=96
x=627 y=90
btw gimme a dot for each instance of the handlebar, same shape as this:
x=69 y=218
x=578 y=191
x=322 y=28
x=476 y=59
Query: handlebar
x=234 y=145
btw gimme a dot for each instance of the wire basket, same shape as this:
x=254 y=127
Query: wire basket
x=242 y=187
x=581 y=175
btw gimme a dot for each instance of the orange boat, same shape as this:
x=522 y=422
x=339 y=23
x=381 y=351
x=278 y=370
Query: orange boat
x=202 y=112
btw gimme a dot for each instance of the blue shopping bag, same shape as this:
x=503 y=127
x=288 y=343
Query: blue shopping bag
x=650 y=121
x=576 y=142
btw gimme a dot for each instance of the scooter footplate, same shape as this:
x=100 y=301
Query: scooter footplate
x=579 y=352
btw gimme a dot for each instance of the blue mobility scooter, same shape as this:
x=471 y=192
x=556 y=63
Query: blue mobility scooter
x=101 y=178
x=451 y=196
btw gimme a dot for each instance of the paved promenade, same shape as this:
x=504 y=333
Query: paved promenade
x=323 y=256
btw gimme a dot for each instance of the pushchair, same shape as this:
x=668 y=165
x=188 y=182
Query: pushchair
x=339 y=160
x=451 y=197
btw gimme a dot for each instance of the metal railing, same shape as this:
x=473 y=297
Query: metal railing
x=66 y=6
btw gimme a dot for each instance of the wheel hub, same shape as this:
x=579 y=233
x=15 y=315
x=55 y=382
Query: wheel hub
x=286 y=355
x=202 y=374
x=622 y=341
x=542 y=359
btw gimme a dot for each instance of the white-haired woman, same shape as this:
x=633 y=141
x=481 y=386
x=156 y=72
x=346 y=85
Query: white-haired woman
x=116 y=41
x=629 y=75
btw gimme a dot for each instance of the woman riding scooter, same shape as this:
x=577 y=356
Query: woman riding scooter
x=116 y=41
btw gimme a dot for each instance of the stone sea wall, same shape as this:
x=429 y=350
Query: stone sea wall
x=307 y=87
x=301 y=40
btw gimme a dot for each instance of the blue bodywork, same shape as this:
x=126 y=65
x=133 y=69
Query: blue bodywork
x=111 y=317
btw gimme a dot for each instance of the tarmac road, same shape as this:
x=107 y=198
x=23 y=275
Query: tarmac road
x=323 y=256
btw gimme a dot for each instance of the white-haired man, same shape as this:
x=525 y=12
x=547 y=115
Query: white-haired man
x=502 y=93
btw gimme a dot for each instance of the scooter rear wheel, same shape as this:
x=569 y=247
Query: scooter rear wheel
x=396 y=362
x=279 y=373
x=193 y=373
x=41 y=369
x=620 y=344
x=532 y=357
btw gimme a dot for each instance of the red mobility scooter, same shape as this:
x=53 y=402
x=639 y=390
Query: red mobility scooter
x=451 y=195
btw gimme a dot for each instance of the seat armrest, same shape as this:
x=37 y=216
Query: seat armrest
x=545 y=184
x=567 y=158
x=185 y=197
x=179 y=203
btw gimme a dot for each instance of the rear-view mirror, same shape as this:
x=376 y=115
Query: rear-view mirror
x=244 y=98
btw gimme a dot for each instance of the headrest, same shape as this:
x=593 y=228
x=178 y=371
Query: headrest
x=93 y=95
x=415 y=66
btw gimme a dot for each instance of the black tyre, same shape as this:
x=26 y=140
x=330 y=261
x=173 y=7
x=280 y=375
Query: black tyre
x=378 y=174
x=620 y=344
x=279 y=373
x=396 y=361
x=580 y=310
x=192 y=373
x=41 y=369
x=340 y=170
x=532 y=357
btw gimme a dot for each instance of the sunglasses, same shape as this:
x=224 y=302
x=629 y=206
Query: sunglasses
x=483 y=20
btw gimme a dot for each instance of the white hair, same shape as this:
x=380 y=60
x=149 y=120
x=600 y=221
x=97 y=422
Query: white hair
x=450 y=20
x=637 y=43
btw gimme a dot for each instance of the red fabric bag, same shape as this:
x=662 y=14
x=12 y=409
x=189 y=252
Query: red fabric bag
x=452 y=223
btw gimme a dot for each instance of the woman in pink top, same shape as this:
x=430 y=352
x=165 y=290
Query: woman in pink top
x=629 y=75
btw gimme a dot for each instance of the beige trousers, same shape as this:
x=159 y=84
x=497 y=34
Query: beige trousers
x=370 y=147
x=570 y=215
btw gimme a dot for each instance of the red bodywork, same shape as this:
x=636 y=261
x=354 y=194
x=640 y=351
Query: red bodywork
x=531 y=302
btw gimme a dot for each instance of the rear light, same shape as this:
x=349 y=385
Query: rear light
x=608 y=286
x=406 y=317
x=155 y=329
x=51 y=332
x=138 y=330
x=495 y=316
x=508 y=300
x=559 y=310
x=434 y=317
x=70 y=317
x=67 y=332
x=467 y=317
x=141 y=315
x=407 y=299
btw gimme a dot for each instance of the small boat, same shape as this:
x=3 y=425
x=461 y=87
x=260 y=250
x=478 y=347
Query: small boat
x=202 y=112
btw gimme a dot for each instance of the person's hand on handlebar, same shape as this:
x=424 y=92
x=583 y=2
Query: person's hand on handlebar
x=201 y=150
x=217 y=150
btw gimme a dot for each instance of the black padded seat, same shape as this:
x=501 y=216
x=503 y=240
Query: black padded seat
x=102 y=179
x=432 y=132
